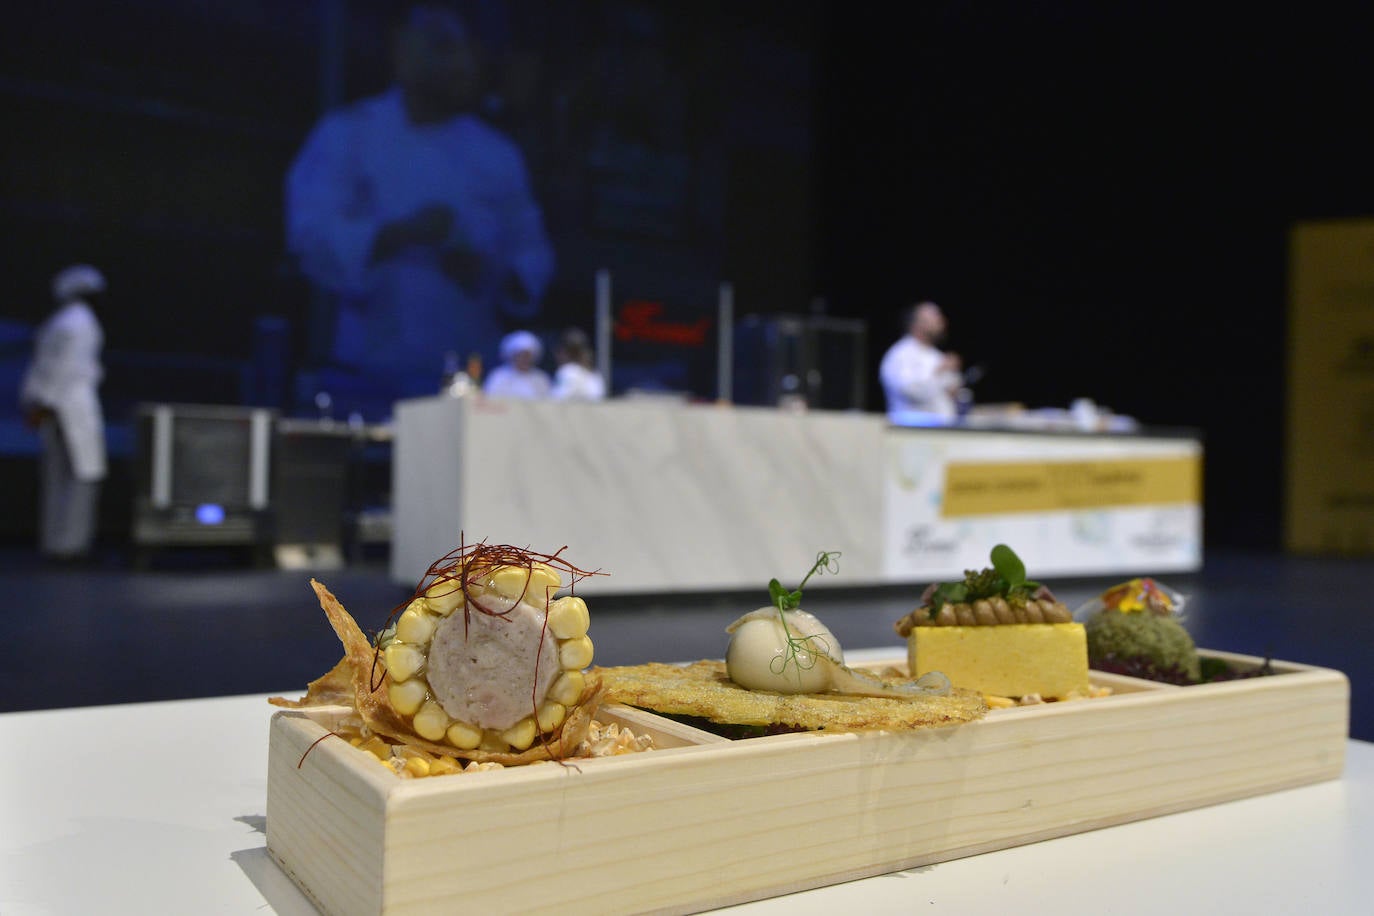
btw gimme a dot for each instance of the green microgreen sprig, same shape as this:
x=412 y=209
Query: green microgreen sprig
x=1006 y=578
x=784 y=601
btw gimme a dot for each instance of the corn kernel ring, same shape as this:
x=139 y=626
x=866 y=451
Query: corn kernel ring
x=398 y=687
x=498 y=660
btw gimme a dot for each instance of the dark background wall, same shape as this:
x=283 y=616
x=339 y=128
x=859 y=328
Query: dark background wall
x=1098 y=195
x=152 y=137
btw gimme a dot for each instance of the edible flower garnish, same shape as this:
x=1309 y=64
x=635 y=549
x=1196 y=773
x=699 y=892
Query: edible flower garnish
x=1138 y=595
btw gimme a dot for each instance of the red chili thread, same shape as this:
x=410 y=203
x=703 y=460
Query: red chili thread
x=469 y=564
x=300 y=762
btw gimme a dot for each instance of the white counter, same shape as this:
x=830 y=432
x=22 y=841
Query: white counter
x=680 y=497
x=159 y=808
x=662 y=497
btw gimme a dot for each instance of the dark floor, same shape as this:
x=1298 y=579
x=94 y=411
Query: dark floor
x=202 y=625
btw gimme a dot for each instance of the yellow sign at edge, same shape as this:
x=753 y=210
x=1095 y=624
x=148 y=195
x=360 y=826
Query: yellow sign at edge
x=1050 y=486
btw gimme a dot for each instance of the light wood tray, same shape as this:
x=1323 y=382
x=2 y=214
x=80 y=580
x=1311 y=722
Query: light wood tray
x=704 y=822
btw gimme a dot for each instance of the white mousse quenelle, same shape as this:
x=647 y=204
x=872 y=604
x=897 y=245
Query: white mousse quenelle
x=783 y=649
x=779 y=651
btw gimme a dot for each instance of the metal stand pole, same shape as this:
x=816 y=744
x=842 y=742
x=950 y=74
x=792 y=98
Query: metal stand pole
x=725 y=359
x=603 y=326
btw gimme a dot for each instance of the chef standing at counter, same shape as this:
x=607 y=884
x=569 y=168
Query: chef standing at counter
x=60 y=401
x=519 y=376
x=919 y=379
x=576 y=379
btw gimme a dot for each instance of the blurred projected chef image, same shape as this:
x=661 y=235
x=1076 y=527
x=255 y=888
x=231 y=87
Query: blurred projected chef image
x=921 y=381
x=416 y=217
x=60 y=400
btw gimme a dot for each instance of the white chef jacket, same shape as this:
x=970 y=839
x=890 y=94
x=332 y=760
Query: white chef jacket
x=367 y=165
x=63 y=377
x=510 y=382
x=575 y=382
x=914 y=382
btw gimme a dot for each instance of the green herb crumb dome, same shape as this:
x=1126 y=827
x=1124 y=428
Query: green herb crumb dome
x=1160 y=639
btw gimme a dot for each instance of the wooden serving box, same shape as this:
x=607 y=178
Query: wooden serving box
x=703 y=822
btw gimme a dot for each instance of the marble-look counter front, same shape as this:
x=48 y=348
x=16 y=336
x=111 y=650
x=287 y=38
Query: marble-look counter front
x=662 y=497
x=680 y=497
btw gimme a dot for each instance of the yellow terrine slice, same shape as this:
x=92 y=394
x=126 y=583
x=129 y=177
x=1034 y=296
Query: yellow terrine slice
x=1007 y=660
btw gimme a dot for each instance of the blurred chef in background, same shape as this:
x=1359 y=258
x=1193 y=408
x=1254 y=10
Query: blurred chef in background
x=60 y=400
x=575 y=379
x=519 y=375
x=416 y=216
x=920 y=380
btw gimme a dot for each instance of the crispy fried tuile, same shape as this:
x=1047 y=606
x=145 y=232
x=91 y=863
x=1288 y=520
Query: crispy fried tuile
x=704 y=689
x=333 y=689
x=349 y=684
x=340 y=686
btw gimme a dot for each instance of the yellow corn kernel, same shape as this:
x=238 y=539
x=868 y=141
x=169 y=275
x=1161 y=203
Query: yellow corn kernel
x=417 y=766
x=568 y=688
x=416 y=624
x=431 y=722
x=464 y=736
x=403 y=661
x=550 y=716
x=535 y=584
x=407 y=696
x=575 y=654
x=377 y=748
x=568 y=618
x=444 y=597
x=475 y=767
x=443 y=766
x=494 y=743
x=355 y=741
x=521 y=734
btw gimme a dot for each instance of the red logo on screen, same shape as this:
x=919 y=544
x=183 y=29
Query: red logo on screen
x=642 y=320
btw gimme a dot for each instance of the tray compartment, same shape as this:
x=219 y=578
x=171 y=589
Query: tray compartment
x=705 y=822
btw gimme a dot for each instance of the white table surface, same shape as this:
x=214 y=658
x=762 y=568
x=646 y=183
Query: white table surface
x=160 y=808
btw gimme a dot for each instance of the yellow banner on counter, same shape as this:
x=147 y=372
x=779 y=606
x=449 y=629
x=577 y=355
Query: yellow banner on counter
x=1048 y=486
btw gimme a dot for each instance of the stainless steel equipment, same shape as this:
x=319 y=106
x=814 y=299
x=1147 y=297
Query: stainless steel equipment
x=202 y=476
x=310 y=483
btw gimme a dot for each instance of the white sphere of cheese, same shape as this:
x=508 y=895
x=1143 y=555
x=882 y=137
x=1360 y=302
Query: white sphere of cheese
x=761 y=657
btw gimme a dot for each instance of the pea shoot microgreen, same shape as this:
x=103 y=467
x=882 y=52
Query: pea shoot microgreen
x=801 y=650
